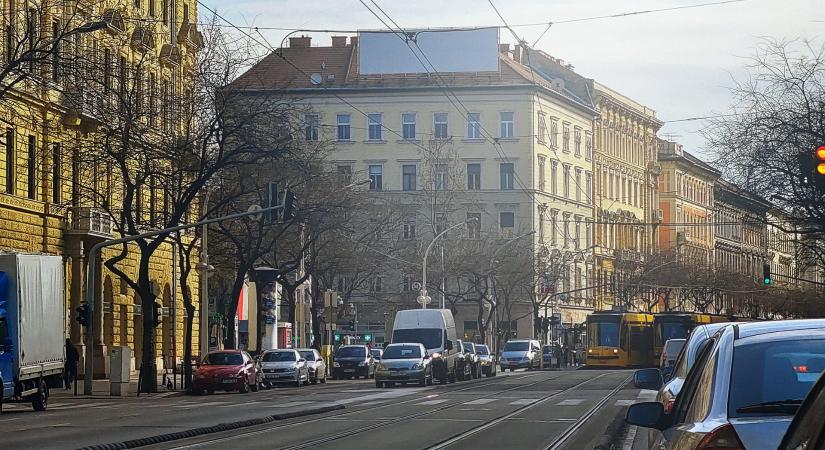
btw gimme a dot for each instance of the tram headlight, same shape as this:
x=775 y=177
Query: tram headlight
x=615 y=350
x=589 y=350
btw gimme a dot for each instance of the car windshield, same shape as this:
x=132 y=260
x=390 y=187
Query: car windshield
x=376 y=353
x=308 y=355
x=604 y=333
x=774 y=377
x=468 y=347
x=672 y=330
x=429 y=337
x=279 y=357
x=522 y=346
x=674 y=347
x=351 y=352
x=482 y=350
x=402 y=352
x=222 y=359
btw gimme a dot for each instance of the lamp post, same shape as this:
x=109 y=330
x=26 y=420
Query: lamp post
x=423 y=298
x=492 y=280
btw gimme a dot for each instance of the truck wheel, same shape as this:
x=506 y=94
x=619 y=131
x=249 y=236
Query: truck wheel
x=40 y=400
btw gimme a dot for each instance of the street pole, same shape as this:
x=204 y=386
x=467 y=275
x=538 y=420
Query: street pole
x=91 y=263
x=204 y=306
x=423 y=298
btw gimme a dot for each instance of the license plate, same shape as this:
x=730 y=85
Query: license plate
x=349 y=370
x=229 y=381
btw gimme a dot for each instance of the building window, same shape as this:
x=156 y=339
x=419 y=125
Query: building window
x=578 y=185
x=553 y=226
x=566 y=229
x=577 y=241
x=408 y=126
x=565 y=139
x=541 y=224
x=588 y=145
x=409 y=229
x=554 y=177
x=406 y=282
x=376 y=177
x=542 y=174
x=507 y=223
x=345 y=173
x=506 y=128
x=542 y=136
x=152 y=12
x=577 y=140
x=506 y=171
x=442 y=177
x=554 y=132
x=588 y=182
x=473 y=176
x=55 y=56
x=473 y=125
x=377 y=283
x=440 y=126
x=566 y=180
x=375 y=127
x=10 y=161
x=311 y=127
x=344 y=122
x=31 y=168
x=588 y=234
x=57 y=181
x=408 y=182
x=474 y=225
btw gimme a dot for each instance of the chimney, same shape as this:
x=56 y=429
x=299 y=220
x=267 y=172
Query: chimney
x=339 y=41
x=353 y=41
x=300 y=42
x=504 y=48
x=517 y=53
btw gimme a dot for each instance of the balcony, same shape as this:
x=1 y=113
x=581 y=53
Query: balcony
x=189 y=36
x=114 y=21
x=628 y=255
x=90 y=221
x=143 y=39
x=170 y=55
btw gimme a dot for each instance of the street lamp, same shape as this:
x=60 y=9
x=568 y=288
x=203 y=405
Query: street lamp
x=492 y=279
x=423 y=298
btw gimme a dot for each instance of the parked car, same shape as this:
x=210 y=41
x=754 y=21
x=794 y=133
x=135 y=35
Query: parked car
x=486 y=360
x=464 y=365
x=352 y=361
x=550 y=355
x=284 y=366
x=670 y=351
x=743 y=390
x=404 y=363
x=226 y=370
x=435 y=329
x=807 y=429
x=475 y=363
x=316 y=366
x=376 y=354
x=520 y=353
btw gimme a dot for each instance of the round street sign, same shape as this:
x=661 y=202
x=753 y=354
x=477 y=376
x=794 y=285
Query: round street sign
x=416 y=286
x=255 y=208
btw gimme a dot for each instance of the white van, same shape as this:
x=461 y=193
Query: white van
x=435 y=329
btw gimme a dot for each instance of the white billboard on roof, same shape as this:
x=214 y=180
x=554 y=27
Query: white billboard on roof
x=472 y=50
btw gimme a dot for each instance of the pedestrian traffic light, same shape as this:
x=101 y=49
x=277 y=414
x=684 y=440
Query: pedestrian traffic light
x=367 y=338
x=290 y=206
x=766 y=274
x=82 y=315
x=271 y=201
x=156 y=309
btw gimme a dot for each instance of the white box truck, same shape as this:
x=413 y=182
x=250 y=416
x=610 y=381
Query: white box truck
x=32 y=327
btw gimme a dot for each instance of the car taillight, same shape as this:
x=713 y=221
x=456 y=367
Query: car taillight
x=722 y=438
x=669 y=406
x=801 y=369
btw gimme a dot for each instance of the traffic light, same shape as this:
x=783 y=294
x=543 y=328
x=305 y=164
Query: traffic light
x=352 y=324
x=82 y=315
x=766 y=274
x=156 y=313
x=812 y=168
x=290 y=206
x=820 y=161
x=271 y=201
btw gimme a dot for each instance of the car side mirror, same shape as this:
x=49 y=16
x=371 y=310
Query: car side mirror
x=646 y=414
x=448 y=345
x=648 y=379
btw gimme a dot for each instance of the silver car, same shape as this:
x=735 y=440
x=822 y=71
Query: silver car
x=284 y=366
x=404 y=363
x=521 y=353
x=316 y=366
x=748 y=381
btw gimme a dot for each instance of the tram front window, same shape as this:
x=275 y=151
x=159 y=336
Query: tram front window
x=604 y=333
x=672 y=330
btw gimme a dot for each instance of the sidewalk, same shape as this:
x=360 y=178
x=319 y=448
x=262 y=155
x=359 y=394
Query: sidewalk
x=101 y=390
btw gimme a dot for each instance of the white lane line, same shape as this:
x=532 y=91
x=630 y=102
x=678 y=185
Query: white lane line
x=474 y=409
x=624 y=402
x=433 y=402
x=290 y=404
x=630 y=437
x=525 y=401
x=197 y=405
x=430 y=419
x=571 y=402
x=480 y=401
x=647 y=395
x=85 y=405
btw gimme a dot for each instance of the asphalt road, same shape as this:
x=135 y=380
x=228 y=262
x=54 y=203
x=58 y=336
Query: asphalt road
x=574 y=409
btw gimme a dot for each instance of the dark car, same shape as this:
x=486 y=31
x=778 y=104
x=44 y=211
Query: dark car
x=550 y=355
x=475 y=362
x=807 y=430
x=226 y=370
x=352 y=361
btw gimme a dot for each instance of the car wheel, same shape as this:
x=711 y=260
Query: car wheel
x=255 y=387
x=390 y=384
x=430 y=380
x=423 y=381
x=298 y=382
x=244 y=387
x=314 y=380
x=210 y=391
x=40 y=400
x=452 y=377
x=324 y=380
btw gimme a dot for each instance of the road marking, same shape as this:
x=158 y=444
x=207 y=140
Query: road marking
x=480 y=401
x=630 y=437
x=433 y=402
x=571 y=402
x=624 y=402
x=197 y=405
x=524 y=401
x=83 y=405
x=430 y=419
x=289 y=404
x=647 y=395
x=474 y=409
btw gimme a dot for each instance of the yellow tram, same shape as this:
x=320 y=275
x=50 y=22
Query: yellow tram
x=619 y=339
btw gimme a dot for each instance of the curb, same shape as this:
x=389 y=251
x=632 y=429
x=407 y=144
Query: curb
x=151 y=440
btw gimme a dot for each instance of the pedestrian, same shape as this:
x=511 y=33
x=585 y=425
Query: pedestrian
x=70 y=371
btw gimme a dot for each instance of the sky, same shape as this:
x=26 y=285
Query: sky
x=681 y=63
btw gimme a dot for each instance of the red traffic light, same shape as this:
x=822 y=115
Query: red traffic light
x=820 y=153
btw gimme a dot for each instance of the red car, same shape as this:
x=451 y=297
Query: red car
x=226 y=370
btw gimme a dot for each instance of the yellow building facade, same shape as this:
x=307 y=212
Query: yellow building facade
x=41 y=209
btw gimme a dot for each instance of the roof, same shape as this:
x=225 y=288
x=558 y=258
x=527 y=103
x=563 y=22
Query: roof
x=688 y=158
x=749 y=329
x=729 y=191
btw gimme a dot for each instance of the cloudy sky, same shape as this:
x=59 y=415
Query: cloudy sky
x=678 y=62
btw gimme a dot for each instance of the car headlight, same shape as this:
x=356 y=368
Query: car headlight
x=362 y=364
x=417 y=366
x=615 y=350
x=336 y=364
x=589 y=350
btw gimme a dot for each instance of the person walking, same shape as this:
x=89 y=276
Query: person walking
x=70 y=371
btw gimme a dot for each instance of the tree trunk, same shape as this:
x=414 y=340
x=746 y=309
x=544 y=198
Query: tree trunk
x=147 y=300
x=232 y=305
